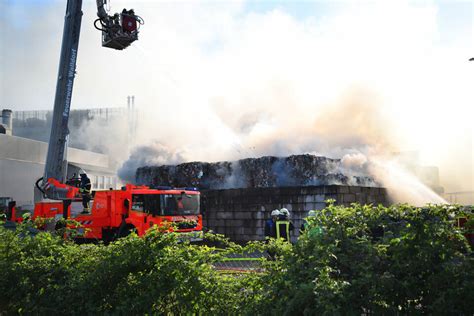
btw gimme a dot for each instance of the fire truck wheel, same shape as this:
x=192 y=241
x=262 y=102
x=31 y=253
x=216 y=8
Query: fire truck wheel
x=126 y=230
x=109 y=235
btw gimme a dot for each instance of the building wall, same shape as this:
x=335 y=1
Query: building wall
x=17 y=179
x=36 y=125
x=22 y=163
x=23 y=149
x=240 y=214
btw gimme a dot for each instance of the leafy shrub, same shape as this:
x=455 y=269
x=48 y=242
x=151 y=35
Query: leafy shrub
x=351 y=260
x=376 y=260
x=154 y=274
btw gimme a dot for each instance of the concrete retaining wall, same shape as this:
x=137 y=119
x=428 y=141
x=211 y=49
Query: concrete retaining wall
x=240 y=214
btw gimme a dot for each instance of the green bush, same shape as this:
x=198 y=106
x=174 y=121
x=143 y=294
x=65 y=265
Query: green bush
x=156 y=274
x=351 y=260
x=376 y=260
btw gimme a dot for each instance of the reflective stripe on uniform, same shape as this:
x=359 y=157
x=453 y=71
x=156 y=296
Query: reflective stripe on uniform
x=287 y=226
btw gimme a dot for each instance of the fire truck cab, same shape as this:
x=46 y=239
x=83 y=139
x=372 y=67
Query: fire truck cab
x=116 y=213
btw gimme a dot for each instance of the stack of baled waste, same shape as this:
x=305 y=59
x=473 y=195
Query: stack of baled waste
x=269 y=171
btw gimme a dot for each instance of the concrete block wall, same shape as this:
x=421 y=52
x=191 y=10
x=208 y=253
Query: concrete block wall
x=240 y=214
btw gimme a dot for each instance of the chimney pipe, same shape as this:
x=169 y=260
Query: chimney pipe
x=7 y=119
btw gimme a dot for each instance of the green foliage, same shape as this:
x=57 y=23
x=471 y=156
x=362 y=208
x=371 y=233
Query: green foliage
x=155 y=274
x=350 y=260
x=377 y=260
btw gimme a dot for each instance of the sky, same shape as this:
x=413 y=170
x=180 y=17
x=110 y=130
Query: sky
x=230 y=79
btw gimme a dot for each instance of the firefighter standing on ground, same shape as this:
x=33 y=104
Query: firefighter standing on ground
x=283 y=225
x=305 y=224
x=85 y=190
x=315 y=229
x=270 y=230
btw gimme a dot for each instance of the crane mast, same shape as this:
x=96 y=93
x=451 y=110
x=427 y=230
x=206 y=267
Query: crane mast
x=118 y=32
x=56 y=163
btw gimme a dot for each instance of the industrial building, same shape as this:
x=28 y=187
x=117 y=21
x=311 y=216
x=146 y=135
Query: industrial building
x=37 y=124
x=22 y=164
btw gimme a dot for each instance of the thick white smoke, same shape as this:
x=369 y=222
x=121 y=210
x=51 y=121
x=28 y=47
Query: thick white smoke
x=148 y=155
x=222 y=81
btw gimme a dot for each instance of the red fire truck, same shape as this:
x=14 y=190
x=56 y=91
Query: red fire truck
x=116 y=213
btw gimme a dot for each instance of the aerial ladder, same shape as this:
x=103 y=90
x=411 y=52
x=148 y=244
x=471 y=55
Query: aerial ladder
x=118 y=32
x=114 y=213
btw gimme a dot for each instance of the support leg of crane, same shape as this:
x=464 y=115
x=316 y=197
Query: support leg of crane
x=66 y=204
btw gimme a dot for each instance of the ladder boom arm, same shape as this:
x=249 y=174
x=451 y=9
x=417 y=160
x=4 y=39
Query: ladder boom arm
x=118 y=32
x=101 y=13
x=56 y=163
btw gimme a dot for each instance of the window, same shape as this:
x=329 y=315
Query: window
x=166 y=204
x=181 y=204
x=138 y=203
x=4 y=202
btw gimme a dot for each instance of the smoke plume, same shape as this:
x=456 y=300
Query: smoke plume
x=147 y=155
x=225 y=81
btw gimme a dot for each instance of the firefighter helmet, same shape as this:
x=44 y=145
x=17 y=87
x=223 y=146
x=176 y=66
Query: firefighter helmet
x=285 y=212
x=275 y=212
